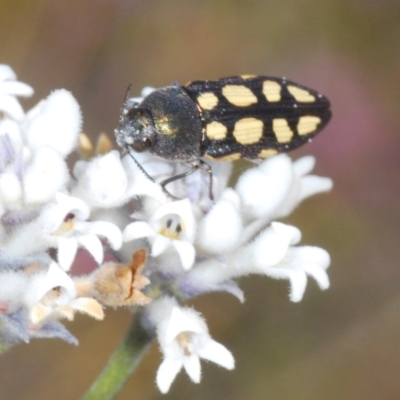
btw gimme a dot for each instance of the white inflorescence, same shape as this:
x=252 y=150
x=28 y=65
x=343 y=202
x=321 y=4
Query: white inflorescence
x=194 y=245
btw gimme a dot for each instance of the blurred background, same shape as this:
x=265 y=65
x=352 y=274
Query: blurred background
x=339 y=344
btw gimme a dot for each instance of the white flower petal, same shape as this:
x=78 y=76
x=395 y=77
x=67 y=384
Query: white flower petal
x=79 y=169
x=6 y=73
x=158 y=310
x=107 y=230
x=56 y=277
x=12 y=129
x=53 y=214
x=186 y=252
x=264 y=188
x=57 y=125
x=218 y=354
x=311 y=185
x=15 y=88
x=147 y=90
x=298 y=283
x=182 y=320
x=137 y=230
x=313 y=260
x=67 y=204
x=303 y=165
x=67 y=248
x=167 y=372
x=93 y=245
x=271 y=245
x=11 y=107
x=221 y=228
x=193 y=367
x=303 y=186
x=319 y=274
x=159 y=245
x=297 y=264
x=10 y=188
x=104 y=182
x=46 y=175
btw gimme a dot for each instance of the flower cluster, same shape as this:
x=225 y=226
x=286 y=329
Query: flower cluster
x=148 y=250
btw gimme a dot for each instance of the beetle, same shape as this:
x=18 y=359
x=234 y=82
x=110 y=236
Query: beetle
x=248 y=116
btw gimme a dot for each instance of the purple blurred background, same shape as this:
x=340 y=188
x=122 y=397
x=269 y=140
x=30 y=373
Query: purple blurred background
x=338 y=344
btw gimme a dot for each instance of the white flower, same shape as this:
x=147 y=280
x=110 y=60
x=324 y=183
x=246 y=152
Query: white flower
x=220 y=229
x=46 y=175
x=263 y=189
x=26 y=288
x=300 y=262
x=173 y=224
x=304 y=186
x=32 y=299
x=9 y=89
x=10 y=188
x=273 y=254
x=274 y=188
x=56 y=123
x=103 y=182
x=74 y=231
x=63 y=224
x=56 y=297
x=184 y=339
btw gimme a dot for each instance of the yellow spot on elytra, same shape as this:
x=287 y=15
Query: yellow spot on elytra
x=207 y=101
x=267 y=153
x=272 y=91
x=307 y=124
x=248 y=76
x=216 y=131
x=230 y=157
x=248 y=131
x=282 y=130
x=239 y=95
x=301 y=95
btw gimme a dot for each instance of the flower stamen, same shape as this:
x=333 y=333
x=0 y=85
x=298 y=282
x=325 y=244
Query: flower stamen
x=173 y=228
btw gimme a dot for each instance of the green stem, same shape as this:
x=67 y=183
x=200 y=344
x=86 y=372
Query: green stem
x=122 y=363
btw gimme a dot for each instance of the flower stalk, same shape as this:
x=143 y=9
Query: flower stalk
x=122 y=363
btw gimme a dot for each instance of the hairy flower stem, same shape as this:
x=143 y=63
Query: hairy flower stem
x=122 y=363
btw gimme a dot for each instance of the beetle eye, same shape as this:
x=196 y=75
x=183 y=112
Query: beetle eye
x=141 y=145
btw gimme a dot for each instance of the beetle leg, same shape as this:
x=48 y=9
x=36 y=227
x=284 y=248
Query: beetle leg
x=194 y=167
x=205 y=167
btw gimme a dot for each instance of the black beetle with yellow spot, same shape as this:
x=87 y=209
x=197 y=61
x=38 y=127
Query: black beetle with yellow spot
x=248 y=116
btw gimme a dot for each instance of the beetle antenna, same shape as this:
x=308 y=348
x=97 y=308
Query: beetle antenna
x=124 y=107
x=128 y=90
x=144 y=172
x=139 y=166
